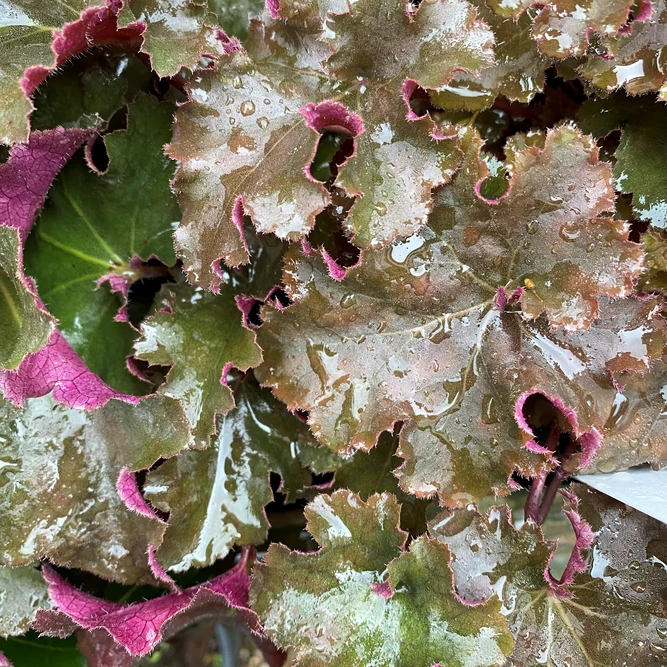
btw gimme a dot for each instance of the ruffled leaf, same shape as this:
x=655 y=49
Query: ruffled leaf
x=36 y=38
x=59 y=498
x=564 y=28
x=621 y=582
x=201 y=335
x=633 y=58
x=418 y=333
x=261 y=112
x=178 y=32
x=412 y=616
x=216 y=498
x=518 y=72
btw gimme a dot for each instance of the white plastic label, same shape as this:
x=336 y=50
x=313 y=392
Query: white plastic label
x=642 y=488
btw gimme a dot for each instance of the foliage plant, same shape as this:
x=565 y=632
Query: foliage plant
x=309 y=321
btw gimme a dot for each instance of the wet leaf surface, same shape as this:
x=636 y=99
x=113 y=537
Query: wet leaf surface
x=405 y=610
x=95 y=229
x=58 y=484
x=622 y=583
x=417 y=332
x=216 y=498
x=259 y=115
x=201 y=335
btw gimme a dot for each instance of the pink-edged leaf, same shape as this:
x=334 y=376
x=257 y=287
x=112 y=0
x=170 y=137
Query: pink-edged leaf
x=201 y=335
x=518 y=71
x=634 y=57
x=418 y=334
x=58 y=497
x=140 y=626
x=28 y=173
x=33 y=44
x=363 y=599
x=262 y=111
x=615 y=579
x=94 y=232
x=565 y=28
x=24 y=181
x=58 y=368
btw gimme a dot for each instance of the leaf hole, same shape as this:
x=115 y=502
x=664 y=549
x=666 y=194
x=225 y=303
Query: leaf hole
x=333 y=150
x=97 y=156
x=420 y=102
x=552 y=432
x=151 y=276
x=279 y=297
x=330 y=234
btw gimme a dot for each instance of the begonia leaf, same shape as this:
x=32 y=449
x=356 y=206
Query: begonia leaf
x=58 y=485
x=178 y=32
x=216 y=498
x=260 y=113
x=201 y=335
x=418 y=334
x=140 y=626
x=633 y=58
x=620 y=584
x=640 y=156
x=22 y=592
x=404 y=608
x=38 y=37
x=97 y=228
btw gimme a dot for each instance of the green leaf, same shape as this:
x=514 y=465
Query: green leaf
x=22 y=592
x=641 y=157
x=201 y=335
x=24 y=327
x=577 y=625
x=233 y=15
x=88 y=93
x=178 y=33
x=216 y=498
x=335 y=606
x=34 y=650
x=654 y=278
x=93 y=227
x=25 y=41
x=260 y=114
x=58 y=494
x=366 y=473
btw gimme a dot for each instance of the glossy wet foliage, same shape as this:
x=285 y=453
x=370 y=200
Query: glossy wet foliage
x=301 y=305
